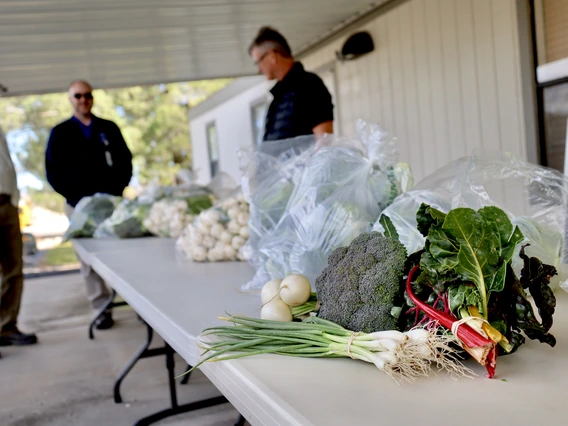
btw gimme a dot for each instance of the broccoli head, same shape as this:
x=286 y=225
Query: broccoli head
x=362 y=283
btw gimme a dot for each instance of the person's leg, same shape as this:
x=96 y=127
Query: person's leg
x=12 y=278
x=97 y=292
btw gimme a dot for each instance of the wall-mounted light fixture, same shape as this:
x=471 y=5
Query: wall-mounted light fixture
x=357 y=45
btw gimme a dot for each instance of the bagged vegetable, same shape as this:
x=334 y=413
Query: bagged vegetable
x=125 y=222
x=218 y=233
x=168 y=217
x=269 y=175
x=89 y=213
x=342 y=189
x=534 y=197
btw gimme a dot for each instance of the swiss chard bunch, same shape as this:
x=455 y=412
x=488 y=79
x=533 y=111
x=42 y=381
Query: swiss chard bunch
x=466 y=273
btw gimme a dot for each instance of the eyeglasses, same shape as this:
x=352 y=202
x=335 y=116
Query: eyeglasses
x=259 y=60
x=88 y=96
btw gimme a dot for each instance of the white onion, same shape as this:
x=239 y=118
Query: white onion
x=270 y=291
x=276 y=310
x=295 y=290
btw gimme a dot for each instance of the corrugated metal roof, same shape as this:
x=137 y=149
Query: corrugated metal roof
x=44 y=44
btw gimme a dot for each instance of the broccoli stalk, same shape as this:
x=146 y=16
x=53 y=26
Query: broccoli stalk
x=362 y=286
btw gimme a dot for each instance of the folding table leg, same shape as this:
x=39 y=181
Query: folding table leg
x=142 y=352
x=175 y=408
x=241 y=421
x=185 y=379
x=109 y=304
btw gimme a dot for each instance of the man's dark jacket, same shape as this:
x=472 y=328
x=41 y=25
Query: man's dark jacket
x=77 y=166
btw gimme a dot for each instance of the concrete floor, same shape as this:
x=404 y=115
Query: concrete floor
x=67 y=379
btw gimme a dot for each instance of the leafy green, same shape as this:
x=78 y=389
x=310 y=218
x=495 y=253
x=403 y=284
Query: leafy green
x=536 y=276
x=390 y=230
x=197 y=203
x=467 y=261
x=477 y=246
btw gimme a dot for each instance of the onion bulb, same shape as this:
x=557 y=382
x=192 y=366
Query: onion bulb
x=276 y=310
x=295 y=290
x=270 y=291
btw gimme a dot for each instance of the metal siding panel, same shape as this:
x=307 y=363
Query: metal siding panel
x=375 y=70
x=355 y=99
x=365 y=93
x=385 y=84
x=344 y=90
x=397 y=81
x=469 y=86
x=426 y=139
x=437 y=79
x=507 y=79
x=454 y=100
x=483 y=27
x=414 y=141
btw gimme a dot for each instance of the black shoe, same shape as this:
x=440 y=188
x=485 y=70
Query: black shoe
x=16 y=337
x=105 y=321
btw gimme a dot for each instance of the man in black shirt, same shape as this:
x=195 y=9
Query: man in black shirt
x=302 y=104
x=87 y=155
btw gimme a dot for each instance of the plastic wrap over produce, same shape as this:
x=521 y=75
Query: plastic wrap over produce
x=338 y=193
x=535 y=197
x=217 y=234
x=269 y=175
x=126 y=221
x=89 y=213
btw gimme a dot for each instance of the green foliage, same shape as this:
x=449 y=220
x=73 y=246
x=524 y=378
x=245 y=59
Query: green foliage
x=468 y=258
x=61 y=255
x=475 y=246
x=48 y=200
x=153 y=121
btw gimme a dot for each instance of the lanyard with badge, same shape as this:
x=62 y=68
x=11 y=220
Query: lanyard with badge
x=108 y=155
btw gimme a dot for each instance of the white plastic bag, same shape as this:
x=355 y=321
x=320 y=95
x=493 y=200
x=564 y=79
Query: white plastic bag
x=126 y=221
x=338 y=193
x=535 y=198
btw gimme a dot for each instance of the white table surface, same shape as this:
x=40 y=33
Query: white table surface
x=180 y=299
x=86 y=248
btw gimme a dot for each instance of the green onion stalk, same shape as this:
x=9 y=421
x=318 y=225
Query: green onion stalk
x=403 y=356
x=312 y=305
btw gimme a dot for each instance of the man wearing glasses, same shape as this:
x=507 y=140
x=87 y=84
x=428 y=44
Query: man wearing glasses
x=302 y=104
x=87 y=155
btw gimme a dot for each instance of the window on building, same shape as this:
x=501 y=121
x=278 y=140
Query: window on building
x=258 y=113
x=213 y=148
x=556 y=122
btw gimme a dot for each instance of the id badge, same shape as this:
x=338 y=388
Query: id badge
x=108 y=155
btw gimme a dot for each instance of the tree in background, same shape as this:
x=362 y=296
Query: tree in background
x=153 y=119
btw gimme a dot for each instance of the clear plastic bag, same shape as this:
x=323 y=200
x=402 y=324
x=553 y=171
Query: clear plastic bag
x=269 y=175
x=338 y=192
x=89 y=213
x=125 y=222
x=535 y=197
x=217 y=234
